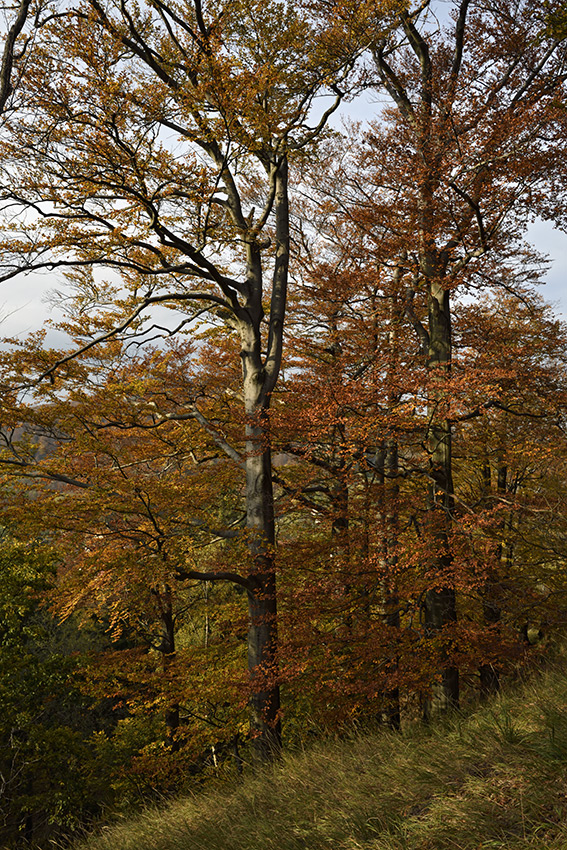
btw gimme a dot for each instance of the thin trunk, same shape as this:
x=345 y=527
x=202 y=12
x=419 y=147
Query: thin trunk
x=236 y=756
x=362 y=545
x=206 y=625
x=489 y=673
x=390 y=550
x=167 y=649
x=340 y=537
x=340 y=540
x=391 y=496
x=340 y=524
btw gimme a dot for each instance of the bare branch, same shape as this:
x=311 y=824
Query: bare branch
x=216 y=435
x=8 y=54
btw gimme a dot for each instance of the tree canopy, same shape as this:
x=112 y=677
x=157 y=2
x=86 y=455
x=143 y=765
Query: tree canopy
x=329 y=484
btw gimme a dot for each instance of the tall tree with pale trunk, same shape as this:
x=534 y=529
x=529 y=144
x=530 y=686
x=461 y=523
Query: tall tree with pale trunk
x=154 y=142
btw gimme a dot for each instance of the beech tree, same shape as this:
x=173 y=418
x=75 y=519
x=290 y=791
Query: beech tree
x=153 y=167
x=137 y=494
x=155 y=142
x=467 y=147
x=344 y=418
x=508 y=458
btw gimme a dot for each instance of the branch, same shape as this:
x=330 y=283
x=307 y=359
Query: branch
x=195 y=413
x=417 y=325
x=189 y=296
x=459 y=39
x=136 y=44
x=48 y=373
x=421 y=50
x=535 y=73
x=217 y=575
x=217 y=532
x=268 y=206
x=279 y=281
x=8 y=54
x=45 y=475
x=300 y=496
x=394 y=87
x=315 y=131
x=494 y=403
x=474 y=206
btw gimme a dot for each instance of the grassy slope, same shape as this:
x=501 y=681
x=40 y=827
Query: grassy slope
x=497 y=779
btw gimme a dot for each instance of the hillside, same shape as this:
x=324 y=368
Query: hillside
x=496 y=779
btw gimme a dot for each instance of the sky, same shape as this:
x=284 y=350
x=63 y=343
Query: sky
x=543 y=236
x=25 y=305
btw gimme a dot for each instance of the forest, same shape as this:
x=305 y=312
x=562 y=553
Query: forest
x=301 y=465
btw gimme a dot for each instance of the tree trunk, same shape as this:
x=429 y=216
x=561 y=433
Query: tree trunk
x=440 y=602
x=489 y=673
x=390 y=555
x=260 y=373
x=167 y=649
x=265 y=726
x=340 y=539
x=262 y=602
x=339 y=489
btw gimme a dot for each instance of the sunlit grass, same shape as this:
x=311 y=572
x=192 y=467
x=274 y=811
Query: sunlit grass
x=497 y=779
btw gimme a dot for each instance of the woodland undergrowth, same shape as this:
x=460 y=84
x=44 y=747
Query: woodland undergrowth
x=496 y=778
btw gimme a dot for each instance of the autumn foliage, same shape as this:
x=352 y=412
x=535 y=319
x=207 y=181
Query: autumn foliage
x=303 y=460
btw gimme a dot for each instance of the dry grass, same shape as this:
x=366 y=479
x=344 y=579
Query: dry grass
x=497 y=779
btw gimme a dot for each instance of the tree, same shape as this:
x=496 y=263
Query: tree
x=467 y=147
x=53 y=774
x=166 y=161
x=136 y=494
x=507 y=462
